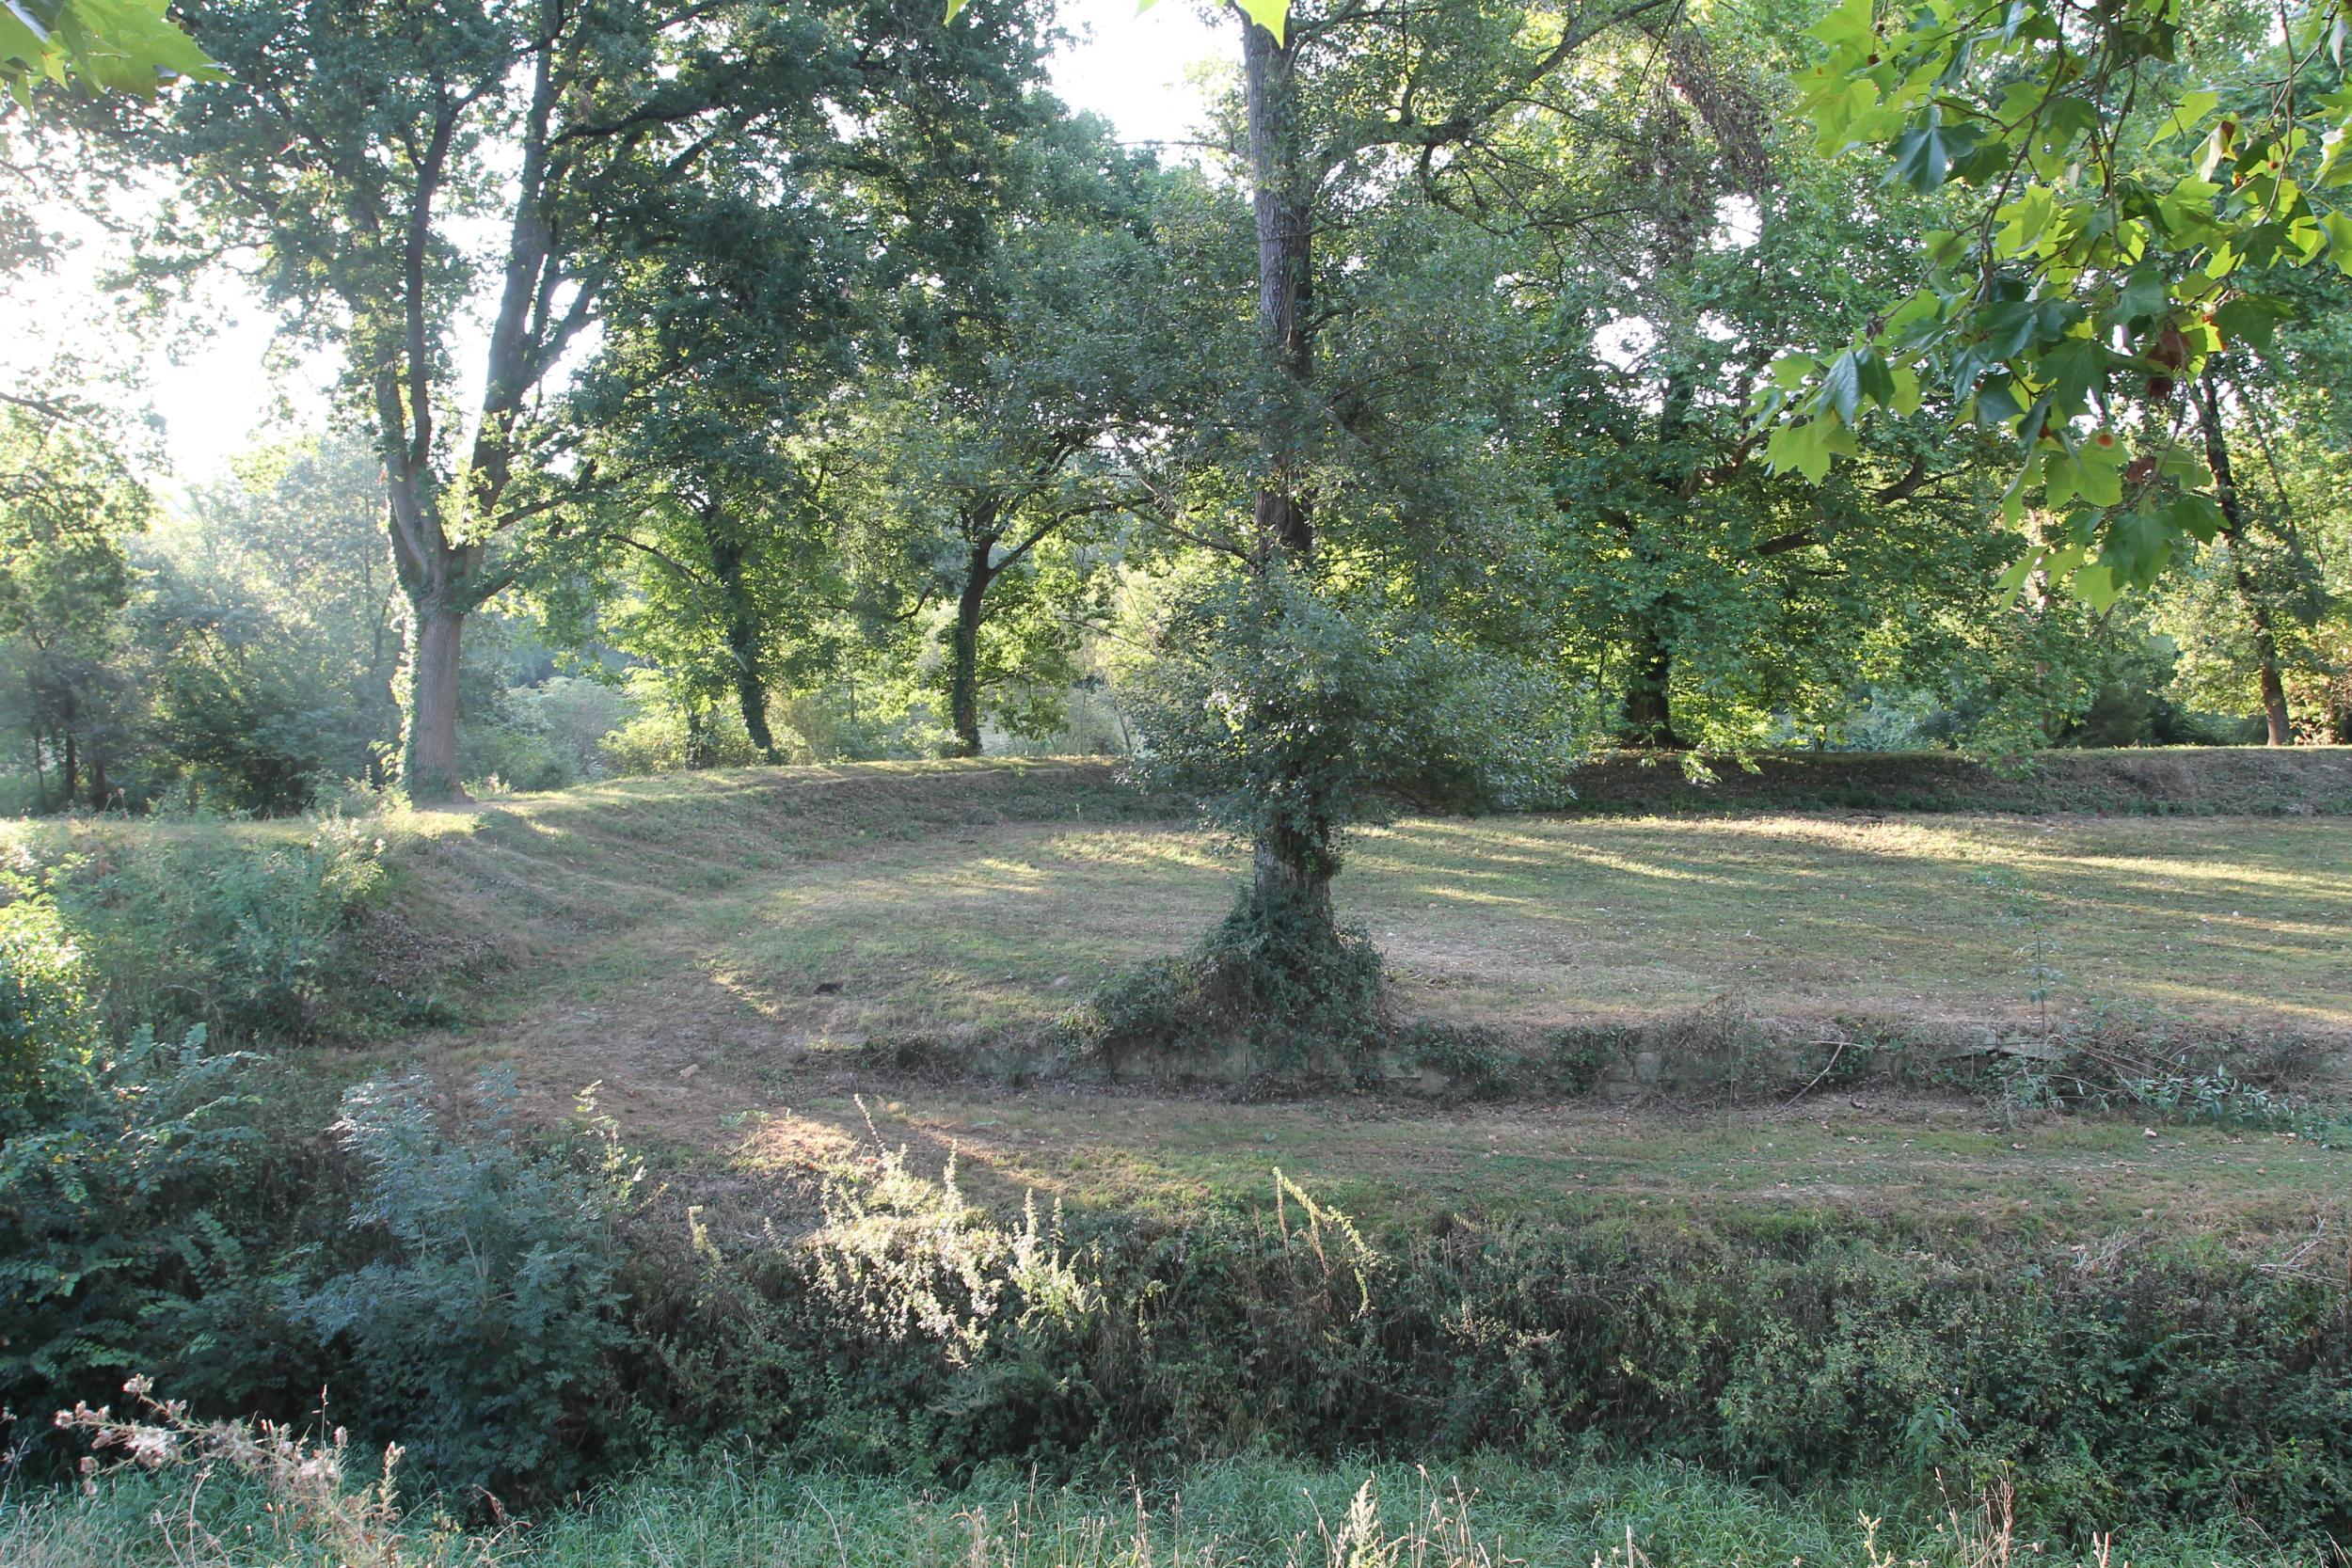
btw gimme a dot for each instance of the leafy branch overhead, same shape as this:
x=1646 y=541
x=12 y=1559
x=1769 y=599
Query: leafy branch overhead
x=120 y=46
x=1269 y=14
x=2129 y=194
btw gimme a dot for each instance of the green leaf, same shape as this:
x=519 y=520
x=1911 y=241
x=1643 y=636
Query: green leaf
x=2013 y=580
x=2187 y=114
x=1273 y=15
x=2196 y=515
x=1807 y=447
x=2339 y=231
x=1853 y=376
x=2072 y=368
x=1925 y=153
x=2095 y=585
x=2144 y=293
x=2135 y=545
x=1849 y=26
x=2250 y=319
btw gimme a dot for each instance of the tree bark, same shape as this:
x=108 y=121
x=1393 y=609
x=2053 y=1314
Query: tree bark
x=429 y=725
x=1282 y=208
x=2276 y=719
x=963 y=648
x=1292 y=878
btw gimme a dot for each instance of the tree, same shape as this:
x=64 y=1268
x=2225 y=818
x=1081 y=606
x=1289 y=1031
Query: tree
x=1340 y=98
x=733 y=324
x=988 y=454
x=269 y=631
x=356 y=146
x=69 y=505
x=1672 y=236
x=1363 y=491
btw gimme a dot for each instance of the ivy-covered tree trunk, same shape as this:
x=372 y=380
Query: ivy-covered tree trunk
x=1647 y=718
x=963 y=648
x=2278 y=722
x=1291 y=872
x=746 y=665
x=429 y=766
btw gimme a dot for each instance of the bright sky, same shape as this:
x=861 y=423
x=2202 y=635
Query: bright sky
x=218 y=397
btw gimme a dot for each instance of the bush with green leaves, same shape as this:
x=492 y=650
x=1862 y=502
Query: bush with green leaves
x=1295 y=712
x=139 y=1193
x=2169 y=1384
x=477 y=1319
x=48 y=1023
x=246 y=934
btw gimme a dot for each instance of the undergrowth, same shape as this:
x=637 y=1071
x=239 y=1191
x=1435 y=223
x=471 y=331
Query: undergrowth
x=1269 y=992
x=235 y=1496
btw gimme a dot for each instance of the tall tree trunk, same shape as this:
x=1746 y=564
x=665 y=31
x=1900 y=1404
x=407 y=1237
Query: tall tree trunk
x=1283 y=207
x=1290 y=872
x=1647 y=718
x=429 y=722
x=2276 y=719
x=963 y=648
x=70 y=776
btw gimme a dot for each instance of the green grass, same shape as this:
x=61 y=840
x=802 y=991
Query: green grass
x=731 y=956
x=742 y=1513
x=2176 y=781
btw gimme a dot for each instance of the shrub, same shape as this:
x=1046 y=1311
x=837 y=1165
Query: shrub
x=479 y=1317
x=306 y=1503
x=2166 y=1388
x=1294 y=997
x=48 y=1023
x=188 y=923
x=140 y=1194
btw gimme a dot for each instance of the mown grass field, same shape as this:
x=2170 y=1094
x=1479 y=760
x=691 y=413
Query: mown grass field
x=736 y=960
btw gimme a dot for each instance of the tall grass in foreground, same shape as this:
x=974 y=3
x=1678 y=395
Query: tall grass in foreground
x=230 y=1497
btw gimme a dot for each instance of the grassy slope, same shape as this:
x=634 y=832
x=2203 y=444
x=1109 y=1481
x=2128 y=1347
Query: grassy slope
x=712 y=949
x=2181 y=781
